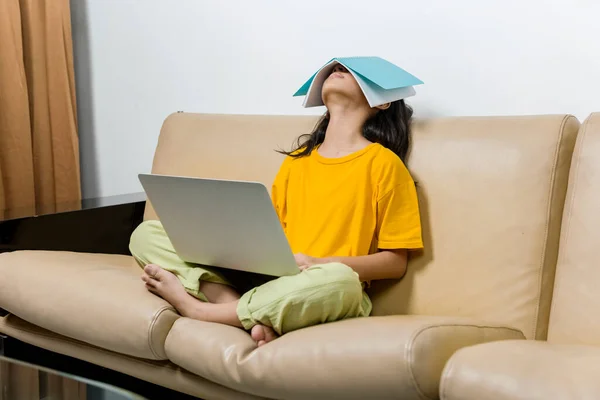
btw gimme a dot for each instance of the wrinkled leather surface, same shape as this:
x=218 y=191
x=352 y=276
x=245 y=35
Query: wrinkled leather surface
x=523 y=370
x=491 y=192
x=95 y=298
x=576 y=307
x=366 y=358
x=161 y=373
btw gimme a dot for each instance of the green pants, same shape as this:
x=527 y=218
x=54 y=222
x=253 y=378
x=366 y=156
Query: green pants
x=322 y=293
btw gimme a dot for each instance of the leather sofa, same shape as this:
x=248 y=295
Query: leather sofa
x=491 y=192
x=567 y=365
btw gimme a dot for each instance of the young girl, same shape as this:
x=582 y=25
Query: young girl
x=349 y=209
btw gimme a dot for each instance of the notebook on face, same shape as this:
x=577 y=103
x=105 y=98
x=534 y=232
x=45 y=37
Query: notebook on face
x=221 y=223
x=380 y=81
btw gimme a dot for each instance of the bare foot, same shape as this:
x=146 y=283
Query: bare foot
x=166 y=285
x=262 y=334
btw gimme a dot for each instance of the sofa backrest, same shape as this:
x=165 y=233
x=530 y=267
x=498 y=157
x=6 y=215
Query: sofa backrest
x=241 y=147
x=491 y=193
x=576 y=304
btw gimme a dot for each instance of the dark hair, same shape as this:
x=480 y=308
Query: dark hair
x=389 y=127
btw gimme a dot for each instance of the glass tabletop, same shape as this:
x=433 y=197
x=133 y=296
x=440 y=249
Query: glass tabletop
x=19 y=380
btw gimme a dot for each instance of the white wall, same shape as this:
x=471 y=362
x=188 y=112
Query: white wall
x=139 y=60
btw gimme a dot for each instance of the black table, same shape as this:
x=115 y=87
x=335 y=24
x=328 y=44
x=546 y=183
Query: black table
x=97 y=225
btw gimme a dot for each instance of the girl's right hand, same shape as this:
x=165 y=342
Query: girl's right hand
x=303 y=261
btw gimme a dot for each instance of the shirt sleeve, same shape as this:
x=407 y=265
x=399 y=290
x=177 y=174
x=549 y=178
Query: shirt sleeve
x=279 y=192
x=398 y=218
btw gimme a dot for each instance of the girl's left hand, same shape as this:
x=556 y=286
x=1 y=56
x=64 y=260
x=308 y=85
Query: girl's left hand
x=303 y=261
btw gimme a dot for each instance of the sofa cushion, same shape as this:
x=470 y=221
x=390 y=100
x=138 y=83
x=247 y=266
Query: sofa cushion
x=364 y=358
x=95 y=298
x=240 y=147
x=491 y=193
x=523 y=370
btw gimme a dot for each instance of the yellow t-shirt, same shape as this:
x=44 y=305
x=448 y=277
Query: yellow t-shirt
x=348 y=206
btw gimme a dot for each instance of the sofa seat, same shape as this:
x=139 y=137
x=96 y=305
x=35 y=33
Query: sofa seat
x=531 y=370
x=94 y=298
x=365 y=358
x=159 y=372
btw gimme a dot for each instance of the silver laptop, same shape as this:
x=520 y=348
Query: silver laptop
x=227 y=224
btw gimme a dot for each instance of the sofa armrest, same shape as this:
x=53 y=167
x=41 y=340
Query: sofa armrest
x=519 y=370
x=375 y=357
x=98 y=299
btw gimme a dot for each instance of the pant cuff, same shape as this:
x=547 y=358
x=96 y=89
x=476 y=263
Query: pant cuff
x=243 y=311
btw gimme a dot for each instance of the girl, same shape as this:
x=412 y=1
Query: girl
x=349 y=209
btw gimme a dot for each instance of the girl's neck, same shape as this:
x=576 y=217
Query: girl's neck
x=344 y=134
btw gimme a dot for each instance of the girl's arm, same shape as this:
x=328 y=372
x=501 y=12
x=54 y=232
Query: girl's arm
x=386 y=264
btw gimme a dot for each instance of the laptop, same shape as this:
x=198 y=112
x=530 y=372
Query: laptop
x=221 y=223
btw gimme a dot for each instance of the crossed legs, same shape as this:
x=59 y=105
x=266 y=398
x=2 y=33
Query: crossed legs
x=220 y=308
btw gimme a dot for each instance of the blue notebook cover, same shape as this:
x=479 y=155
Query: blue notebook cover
x=374 y=69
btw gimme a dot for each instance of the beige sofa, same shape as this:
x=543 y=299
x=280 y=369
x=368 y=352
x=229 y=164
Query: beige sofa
x=491 y=191
x=567 y=366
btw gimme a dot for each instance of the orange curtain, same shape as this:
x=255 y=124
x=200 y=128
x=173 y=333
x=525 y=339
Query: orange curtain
x=39 y=147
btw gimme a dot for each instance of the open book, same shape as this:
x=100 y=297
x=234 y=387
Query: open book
x=380 y=80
